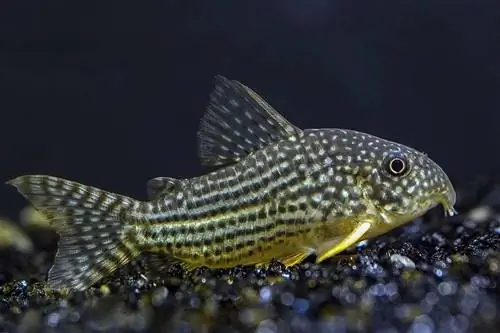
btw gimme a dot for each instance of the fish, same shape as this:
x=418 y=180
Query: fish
x=276 y=192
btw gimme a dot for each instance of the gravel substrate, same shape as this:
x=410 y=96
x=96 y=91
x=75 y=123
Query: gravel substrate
x=430 y=276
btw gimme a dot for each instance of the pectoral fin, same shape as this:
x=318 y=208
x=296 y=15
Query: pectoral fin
x=351 y=239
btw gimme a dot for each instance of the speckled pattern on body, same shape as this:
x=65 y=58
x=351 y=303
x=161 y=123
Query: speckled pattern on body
x=279 y=192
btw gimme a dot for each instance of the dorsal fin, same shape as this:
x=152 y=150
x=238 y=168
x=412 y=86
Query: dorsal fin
x=237 y=123
x=159 y=185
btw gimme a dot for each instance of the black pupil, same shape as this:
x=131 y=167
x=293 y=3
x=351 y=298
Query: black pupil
x=397 y=165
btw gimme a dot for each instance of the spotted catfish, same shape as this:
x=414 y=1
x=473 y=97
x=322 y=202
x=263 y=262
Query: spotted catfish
x=278 y=192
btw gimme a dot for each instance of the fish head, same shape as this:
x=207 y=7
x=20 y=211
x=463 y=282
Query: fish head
x=398 y=183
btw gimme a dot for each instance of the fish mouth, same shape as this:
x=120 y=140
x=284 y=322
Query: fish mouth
x=448 y=198
x=448 y=203
x=445 y=199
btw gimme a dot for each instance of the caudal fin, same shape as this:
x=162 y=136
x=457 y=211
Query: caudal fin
x=93 y=239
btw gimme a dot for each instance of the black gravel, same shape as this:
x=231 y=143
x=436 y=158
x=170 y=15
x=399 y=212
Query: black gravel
x=430 y=276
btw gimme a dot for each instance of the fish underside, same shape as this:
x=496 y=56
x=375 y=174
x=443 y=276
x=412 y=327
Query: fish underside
x=279 y=192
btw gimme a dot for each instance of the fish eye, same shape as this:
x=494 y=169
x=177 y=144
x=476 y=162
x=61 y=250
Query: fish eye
x=397 y=165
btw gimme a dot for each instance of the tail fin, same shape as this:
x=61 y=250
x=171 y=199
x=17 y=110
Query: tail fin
x=93 y=239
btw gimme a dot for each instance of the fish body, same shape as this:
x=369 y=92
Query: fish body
x=279 y=192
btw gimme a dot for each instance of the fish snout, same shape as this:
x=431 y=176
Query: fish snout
x=448 y=198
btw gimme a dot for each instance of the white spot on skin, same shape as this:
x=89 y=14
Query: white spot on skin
x=316 y=197
x=85 y=268
x=284 y=165
x=86 y=229
x=72 y=203
x=198 y=187
x=406 y=202
x=91 y=246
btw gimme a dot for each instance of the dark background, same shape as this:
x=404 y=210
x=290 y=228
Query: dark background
x=110 y=93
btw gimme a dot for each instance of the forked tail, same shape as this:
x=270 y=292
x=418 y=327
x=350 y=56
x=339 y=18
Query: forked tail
x=93 y=239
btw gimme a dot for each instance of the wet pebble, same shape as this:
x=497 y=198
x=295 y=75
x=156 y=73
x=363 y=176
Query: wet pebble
x=402 y=261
